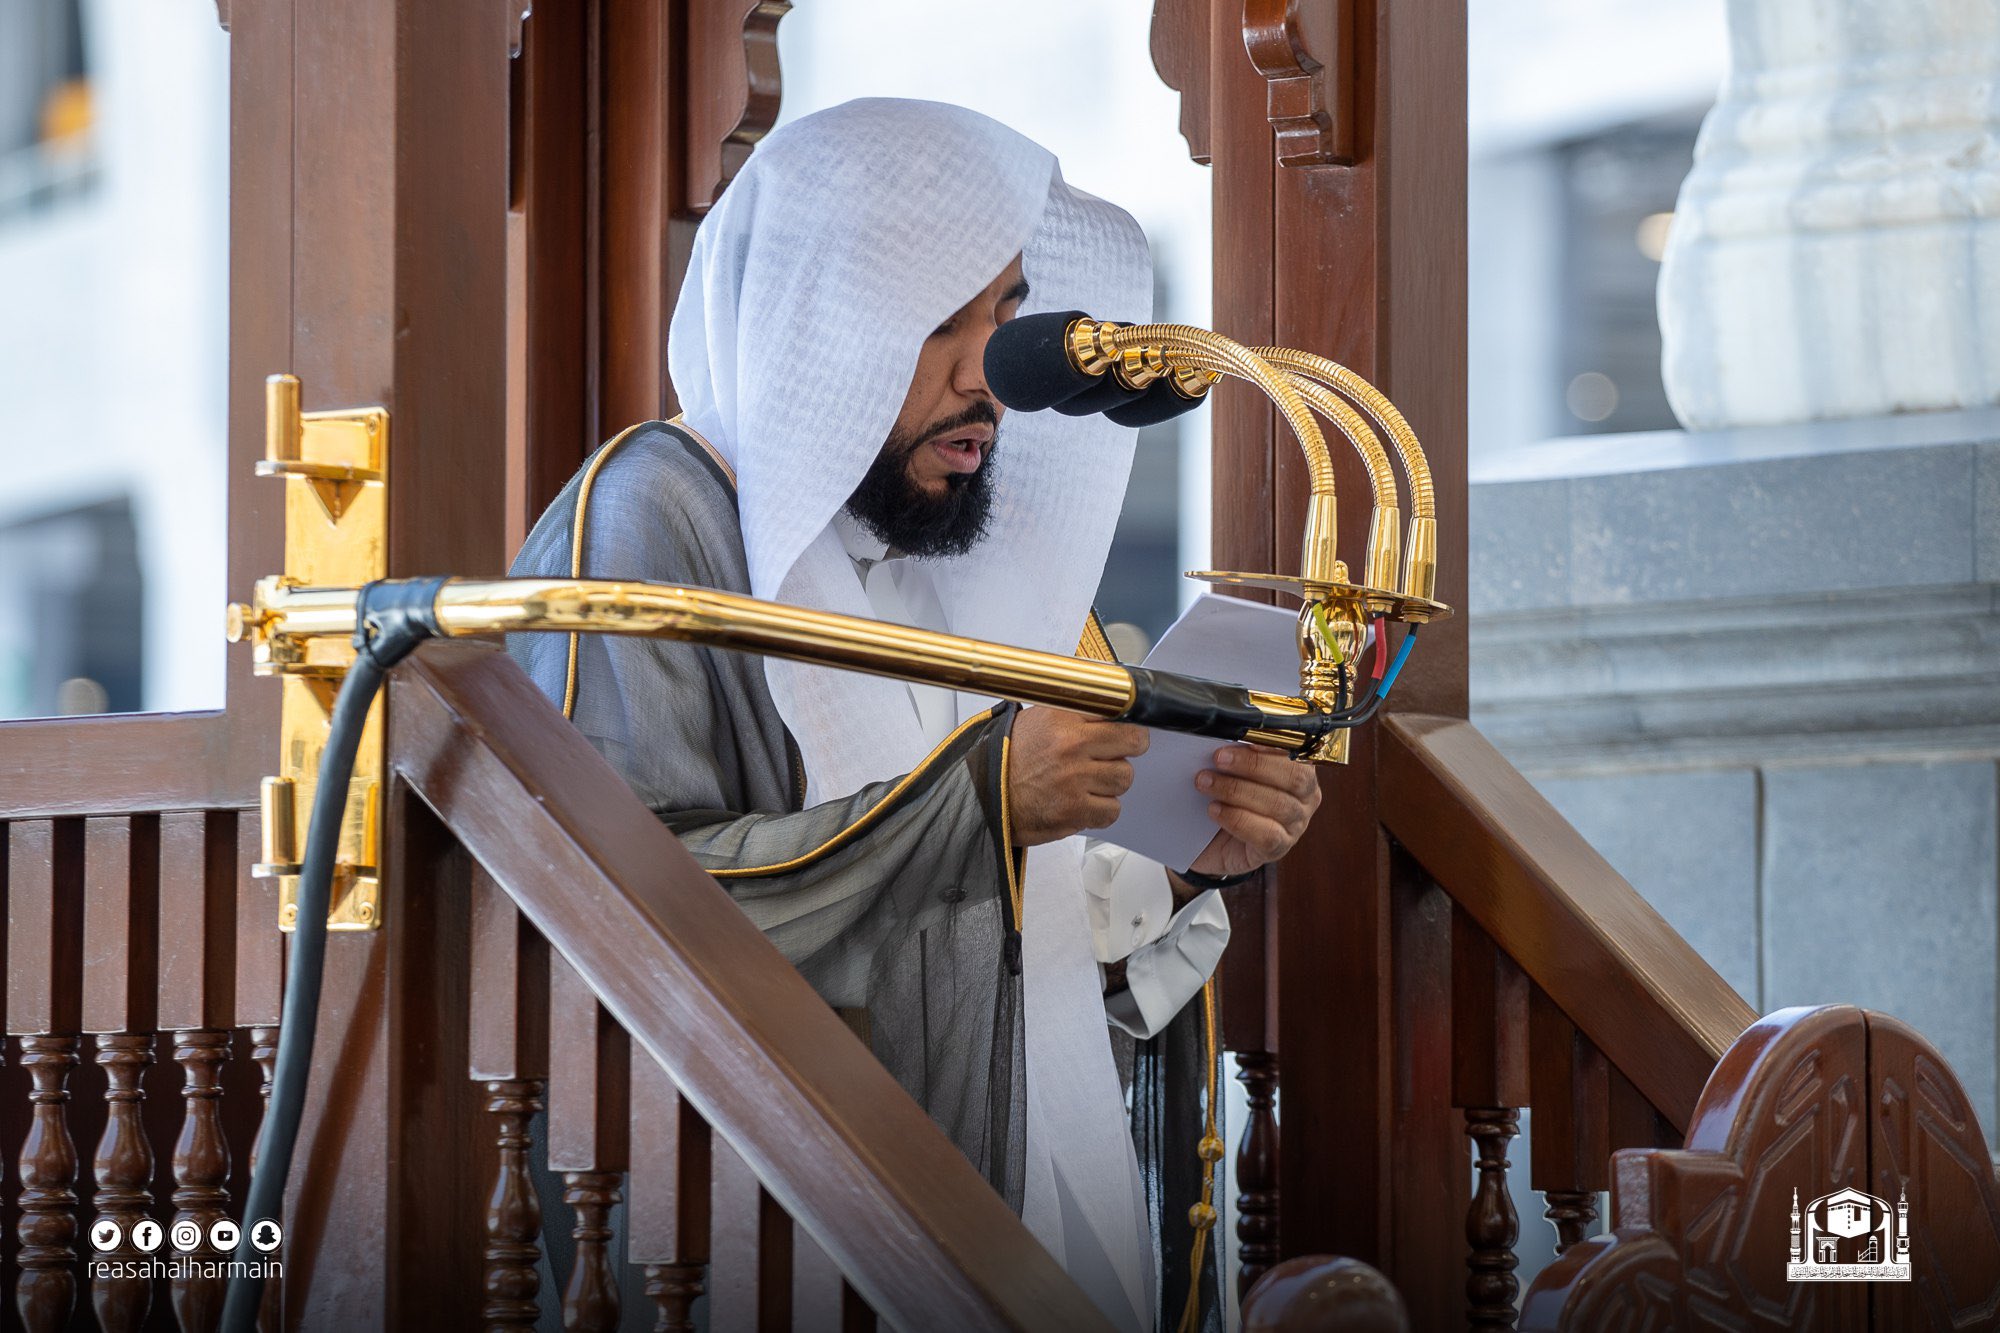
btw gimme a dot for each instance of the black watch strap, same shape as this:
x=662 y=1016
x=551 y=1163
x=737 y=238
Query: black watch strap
x=1195 y=879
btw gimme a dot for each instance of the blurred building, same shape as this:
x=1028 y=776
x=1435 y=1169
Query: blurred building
x=1757 y=664
x=114 y=207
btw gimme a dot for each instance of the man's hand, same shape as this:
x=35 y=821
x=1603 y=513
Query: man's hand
x=1263 y=801
x=1066 y=773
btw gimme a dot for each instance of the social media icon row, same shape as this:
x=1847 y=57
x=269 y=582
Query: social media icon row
x=223 y=1234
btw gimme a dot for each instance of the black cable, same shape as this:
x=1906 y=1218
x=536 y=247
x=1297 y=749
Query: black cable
x=392 y=619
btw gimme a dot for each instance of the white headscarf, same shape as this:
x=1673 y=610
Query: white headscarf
x=846 y=239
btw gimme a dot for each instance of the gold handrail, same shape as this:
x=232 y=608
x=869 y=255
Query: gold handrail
x=283 y=617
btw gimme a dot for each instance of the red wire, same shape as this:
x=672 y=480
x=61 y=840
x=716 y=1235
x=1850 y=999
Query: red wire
x=1381 y=647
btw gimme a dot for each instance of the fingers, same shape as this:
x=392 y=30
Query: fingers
x=1270 y=768
x=1110 y=778
x=1114 y=740
x=1265 y=837
x=1099 y=812
x=1273 y=803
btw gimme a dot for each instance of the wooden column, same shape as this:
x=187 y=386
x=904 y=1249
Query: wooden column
x=1337 y=136
x=397 y=283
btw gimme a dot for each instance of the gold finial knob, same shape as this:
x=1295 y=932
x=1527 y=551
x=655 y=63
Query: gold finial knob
x=239 y=619
x=283 y=427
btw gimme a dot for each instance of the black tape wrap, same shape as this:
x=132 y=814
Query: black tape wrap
x=393 y=616
x=1183 y=703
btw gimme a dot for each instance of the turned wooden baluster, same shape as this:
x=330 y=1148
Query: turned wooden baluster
x=120 y=933
x=124 y=1166
x=199 y=884
x=589 y=1093
x=514 y=1210
x=201 y=1168
x=259 y=985
x=1257 y=1170
x=1492 y=1227
x=47 y=1292
x=45 y=896
x=668 y=1213
x=1571 y=1139
x=508 y=1045
x=1244 y=992
x=1489 y=1080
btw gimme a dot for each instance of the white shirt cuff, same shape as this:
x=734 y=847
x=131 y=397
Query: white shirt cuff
x=1168 y=955
x=1128 y=898
x=1163 y=976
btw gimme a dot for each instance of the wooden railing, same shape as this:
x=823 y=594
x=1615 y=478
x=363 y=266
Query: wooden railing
x=718 y=1132
x=1569 y=995
x=769 y=1158
x=142 y=992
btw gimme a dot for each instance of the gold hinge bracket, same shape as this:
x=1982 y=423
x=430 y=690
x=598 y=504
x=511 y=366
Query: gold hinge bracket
x=335 y=469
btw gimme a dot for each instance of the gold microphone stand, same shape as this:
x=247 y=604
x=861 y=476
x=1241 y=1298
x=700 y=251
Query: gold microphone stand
x=335 y=466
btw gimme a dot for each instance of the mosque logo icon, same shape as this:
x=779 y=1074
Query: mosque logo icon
x=1848 y=1236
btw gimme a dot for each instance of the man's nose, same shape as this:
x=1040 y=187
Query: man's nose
x=969 y=372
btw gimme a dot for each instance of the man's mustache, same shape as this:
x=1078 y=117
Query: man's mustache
x=980 y=413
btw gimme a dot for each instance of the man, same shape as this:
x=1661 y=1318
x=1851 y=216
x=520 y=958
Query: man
x=839 y=449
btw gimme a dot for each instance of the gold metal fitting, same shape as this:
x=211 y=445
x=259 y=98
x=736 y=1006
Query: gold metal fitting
x=1194 y=383
x=1209 y=1149
x=1090 y=347
x=1380 y=569
x=1138 y=367
x=335 y=468
x=1202 y=1216
x=1420 y=561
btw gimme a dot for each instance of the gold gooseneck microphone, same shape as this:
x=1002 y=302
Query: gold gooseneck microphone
x=1335 y=612
x=334 y=465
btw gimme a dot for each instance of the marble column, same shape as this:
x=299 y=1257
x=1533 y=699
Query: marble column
x=1836 y=249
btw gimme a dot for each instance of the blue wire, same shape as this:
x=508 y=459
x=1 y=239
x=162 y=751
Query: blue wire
x=1402 y=656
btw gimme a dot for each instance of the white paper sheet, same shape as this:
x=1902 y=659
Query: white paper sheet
x=1218 y=638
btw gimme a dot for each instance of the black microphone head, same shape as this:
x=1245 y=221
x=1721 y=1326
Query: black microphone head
x=1027 y=362
x=1161 y=401
x=1105 y=395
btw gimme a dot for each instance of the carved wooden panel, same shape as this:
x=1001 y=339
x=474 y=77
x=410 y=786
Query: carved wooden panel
x=732 y=95
x=1925 y=1137
x=1308 y=52
x=1180 y=44
x=1808 y=1100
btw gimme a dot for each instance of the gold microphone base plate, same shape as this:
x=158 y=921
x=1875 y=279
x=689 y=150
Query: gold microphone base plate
x=1378 y=601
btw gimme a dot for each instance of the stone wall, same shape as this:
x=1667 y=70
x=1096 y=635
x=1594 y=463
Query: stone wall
x=1760 y=670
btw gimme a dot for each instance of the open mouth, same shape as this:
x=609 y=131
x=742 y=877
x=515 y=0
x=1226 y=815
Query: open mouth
x=963 y=450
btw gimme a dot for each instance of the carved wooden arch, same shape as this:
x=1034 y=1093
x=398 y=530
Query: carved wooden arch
x=1807 y=1099
x=734 y=43
x=1309 y=53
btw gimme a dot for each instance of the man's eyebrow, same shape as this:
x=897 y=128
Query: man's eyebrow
x=1018 y=292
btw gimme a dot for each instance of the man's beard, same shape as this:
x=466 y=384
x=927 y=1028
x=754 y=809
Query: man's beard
x=891 y=506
